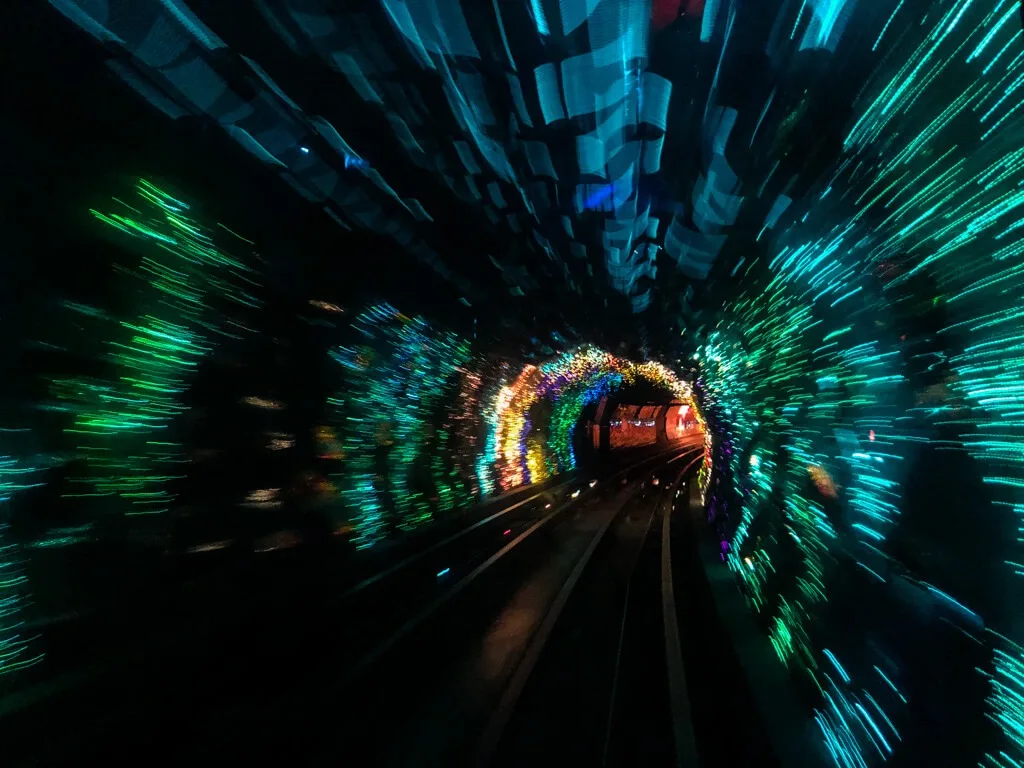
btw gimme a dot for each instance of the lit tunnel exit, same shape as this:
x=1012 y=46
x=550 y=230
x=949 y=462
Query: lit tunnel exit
x=617 y=424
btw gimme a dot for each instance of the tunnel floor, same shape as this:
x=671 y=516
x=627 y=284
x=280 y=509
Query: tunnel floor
x=538 y=637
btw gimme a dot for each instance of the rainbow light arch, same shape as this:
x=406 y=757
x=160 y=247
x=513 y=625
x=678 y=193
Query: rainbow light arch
x=427 y=427
x=519 y=451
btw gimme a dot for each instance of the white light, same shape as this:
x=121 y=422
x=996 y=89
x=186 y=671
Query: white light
x=211 y=547
x=261 y=402
x=304 y=150
x=263 y=494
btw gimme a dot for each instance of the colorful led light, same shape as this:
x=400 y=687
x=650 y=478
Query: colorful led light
x=808 y=366
x=124 y=425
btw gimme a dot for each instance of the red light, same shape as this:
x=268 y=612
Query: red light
x=664 y=12
x=507 y=532
x=871 y=435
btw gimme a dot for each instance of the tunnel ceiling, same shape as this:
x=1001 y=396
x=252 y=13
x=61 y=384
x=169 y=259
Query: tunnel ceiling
x=584 y=166
x=599 y=169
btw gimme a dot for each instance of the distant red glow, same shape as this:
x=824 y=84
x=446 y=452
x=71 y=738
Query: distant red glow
x=678 y=421
x=664 y=12
x=871 y=435
x=631 y=426
x=507 y=532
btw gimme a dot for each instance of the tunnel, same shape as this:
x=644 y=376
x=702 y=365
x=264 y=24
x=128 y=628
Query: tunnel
x=512 y=382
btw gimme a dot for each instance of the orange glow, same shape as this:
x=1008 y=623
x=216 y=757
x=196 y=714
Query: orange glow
x=822 y=481
x=679 y=421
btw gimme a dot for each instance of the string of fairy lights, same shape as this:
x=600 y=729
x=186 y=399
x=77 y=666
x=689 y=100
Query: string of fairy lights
x=395 y=377
x=184 y=279
x=497 y=430
x=570 y=382
x=805 y=382
x=18 y=649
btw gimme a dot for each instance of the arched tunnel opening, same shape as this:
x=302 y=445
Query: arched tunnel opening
x=437 y=382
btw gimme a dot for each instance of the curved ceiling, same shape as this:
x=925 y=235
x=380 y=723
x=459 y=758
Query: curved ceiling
x=594 y=156
x=586 y=167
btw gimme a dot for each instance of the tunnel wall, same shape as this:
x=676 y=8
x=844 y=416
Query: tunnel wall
x=868 y=532
x=633 y=426
x=863 y=387
x=182 y=416
x=418 y=425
